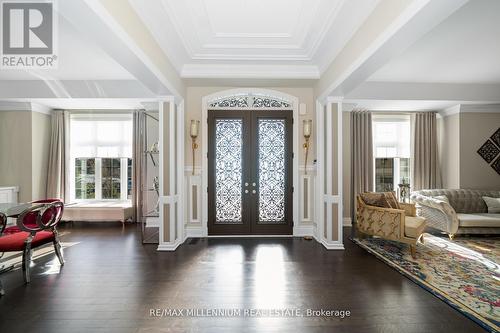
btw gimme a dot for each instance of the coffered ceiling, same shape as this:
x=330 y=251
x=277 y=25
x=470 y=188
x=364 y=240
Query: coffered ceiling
x=252 y=38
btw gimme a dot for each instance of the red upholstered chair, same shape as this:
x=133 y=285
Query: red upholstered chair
x=3 y=224
x=30 y=220
x=36 y=226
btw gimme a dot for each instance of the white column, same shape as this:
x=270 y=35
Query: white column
x=171 y=174
x=329 y=178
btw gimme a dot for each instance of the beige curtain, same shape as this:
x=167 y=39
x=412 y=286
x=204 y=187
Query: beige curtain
x=361 y=155
x=56 y=174
x=137 y=161
x=425 y=153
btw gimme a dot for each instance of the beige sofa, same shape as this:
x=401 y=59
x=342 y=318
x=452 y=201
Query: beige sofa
x=466 y=212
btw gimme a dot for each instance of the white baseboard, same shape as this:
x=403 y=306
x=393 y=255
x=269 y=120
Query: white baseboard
x=170 y=247
x=332 y=245
x=347 y=222
x=302 y=231
x=194 y=231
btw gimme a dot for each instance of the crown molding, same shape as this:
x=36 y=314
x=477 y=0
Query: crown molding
x=40 y=108
x=470 y=108
x=455 y=109
x=480 y=108
x=20 y=106
x=250 y=71
x=14 y=106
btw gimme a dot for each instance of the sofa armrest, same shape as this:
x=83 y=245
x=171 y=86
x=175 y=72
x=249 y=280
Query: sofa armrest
x=439 y=214
x=409 y=208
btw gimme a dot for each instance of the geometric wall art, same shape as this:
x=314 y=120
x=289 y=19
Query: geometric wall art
x=490 y=150
x=496 y=165
x=496 y=137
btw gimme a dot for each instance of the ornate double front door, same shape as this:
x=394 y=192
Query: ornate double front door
x=250 y=172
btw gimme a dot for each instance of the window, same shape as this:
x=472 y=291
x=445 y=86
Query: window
x=391 y=140
x=85 y=178
x=100 y=156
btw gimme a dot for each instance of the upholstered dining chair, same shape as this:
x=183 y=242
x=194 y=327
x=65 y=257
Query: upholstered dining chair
x=3 y=224
x=36 y=226
x=31 y=218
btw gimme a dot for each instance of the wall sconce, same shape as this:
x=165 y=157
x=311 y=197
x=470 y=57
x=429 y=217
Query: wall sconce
x=307 y=129
x=194 y=129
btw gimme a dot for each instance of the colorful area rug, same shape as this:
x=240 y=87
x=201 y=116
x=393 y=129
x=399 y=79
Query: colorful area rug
x=465 y=272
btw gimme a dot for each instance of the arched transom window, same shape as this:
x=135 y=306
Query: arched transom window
x=250 y=101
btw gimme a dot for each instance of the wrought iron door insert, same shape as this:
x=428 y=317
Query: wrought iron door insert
x=250 y=172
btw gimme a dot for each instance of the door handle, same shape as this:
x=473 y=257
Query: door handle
x=246 y=191
x=253 y=184
x=246 y=184
x=254 y=191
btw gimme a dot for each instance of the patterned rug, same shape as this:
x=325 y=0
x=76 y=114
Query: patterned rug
x=465 y=272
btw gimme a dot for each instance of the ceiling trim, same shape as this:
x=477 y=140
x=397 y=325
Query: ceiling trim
x=14 y=106
x=455 y=109
x=250 y=71
x=480 y=93
x=356 y=64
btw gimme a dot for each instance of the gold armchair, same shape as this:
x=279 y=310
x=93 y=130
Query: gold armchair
x=401 y=225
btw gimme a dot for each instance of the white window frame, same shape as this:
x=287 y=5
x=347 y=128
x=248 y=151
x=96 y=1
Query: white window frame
x=396 y=160
x=98 y=180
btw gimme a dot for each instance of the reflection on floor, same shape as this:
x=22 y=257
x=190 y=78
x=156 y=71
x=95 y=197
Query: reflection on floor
x=111 y=282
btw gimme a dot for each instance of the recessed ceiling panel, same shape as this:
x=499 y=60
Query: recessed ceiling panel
x=253 y=18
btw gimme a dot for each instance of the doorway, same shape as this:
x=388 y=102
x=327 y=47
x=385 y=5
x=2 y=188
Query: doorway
x=250 y=173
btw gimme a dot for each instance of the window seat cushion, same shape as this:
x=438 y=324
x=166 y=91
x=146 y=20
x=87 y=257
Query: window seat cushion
x=99 y=210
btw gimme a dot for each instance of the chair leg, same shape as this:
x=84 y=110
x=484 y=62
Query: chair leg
x=27 y=262
x=451 y=236
x=59 y=251
x=413 y=251
x=2 y=291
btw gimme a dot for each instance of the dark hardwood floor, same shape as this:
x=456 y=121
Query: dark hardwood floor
x=111 y=281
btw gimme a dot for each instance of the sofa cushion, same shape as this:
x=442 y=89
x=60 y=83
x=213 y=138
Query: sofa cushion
x=414 y=226
x=493 y=204
x=479 y=220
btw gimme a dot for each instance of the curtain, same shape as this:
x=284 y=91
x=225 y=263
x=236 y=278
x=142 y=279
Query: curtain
x=137 y=162
x=56 y=174
x=425 y=155
x=361 y=155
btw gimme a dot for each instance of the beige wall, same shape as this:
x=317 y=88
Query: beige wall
x=449 y=150
x=15 y=152
x=40 y=138
x=24 y=146
x=193 y=110
x=475 y=129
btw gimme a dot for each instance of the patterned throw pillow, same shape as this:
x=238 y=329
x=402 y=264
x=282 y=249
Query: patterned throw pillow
x=391 y=200
x=493 y=204
x=375 y=199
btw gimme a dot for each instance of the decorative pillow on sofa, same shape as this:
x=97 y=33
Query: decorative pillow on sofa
x=493 y=204
x=374 y=199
